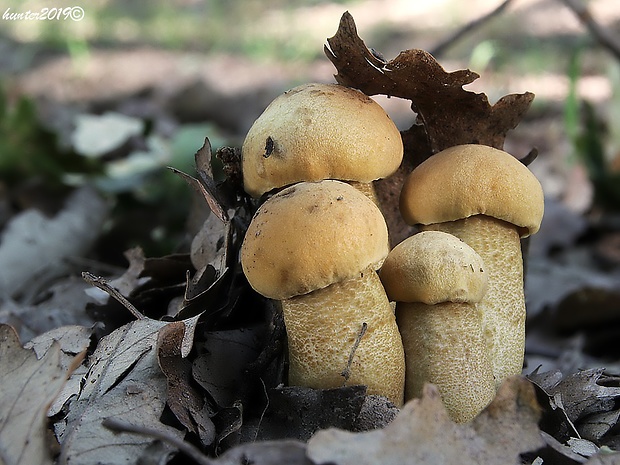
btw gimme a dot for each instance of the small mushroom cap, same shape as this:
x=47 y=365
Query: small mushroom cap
x=468 y=180
x=433 y=267
x=311 y=235
x=319 y=131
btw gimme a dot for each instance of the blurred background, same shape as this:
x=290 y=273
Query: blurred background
x=107 y=93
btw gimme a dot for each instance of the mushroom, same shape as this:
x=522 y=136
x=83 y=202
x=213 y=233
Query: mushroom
x=437 y=280
x=320 y=131
x=490 y=200
x=315 y=248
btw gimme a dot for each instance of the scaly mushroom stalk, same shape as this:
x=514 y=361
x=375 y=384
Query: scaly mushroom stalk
x=489 y=199
x=503 y=305
x=324 y=326
x=437 y=281
x=315 y=247
x=444 y=346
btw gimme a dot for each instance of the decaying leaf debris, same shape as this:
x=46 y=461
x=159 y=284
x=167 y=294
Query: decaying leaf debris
x=205 y=365
x=447 y=114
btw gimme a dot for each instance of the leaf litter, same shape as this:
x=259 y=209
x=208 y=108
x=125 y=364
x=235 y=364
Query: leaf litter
x=29 y=386
x=204 y=365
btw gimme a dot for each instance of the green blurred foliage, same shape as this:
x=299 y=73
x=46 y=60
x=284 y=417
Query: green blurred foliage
x=229 y=26
x=594 y=137
x=29 y=150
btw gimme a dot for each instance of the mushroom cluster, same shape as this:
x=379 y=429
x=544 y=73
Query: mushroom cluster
x=318 y=237
x=459 y=282
x=490 y=200
x=437 y=280
x=318 y=245
x=315 y=248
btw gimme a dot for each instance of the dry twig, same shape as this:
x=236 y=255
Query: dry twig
x=468 y=28
x=602 y=35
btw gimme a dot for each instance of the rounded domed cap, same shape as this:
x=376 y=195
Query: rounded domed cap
x=433 y=267
x=468 y=180
x=319 y=131
x=311 y=235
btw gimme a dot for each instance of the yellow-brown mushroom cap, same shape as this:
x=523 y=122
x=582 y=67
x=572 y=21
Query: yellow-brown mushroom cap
x=311 y=235
x=319 y=131
x=433 y=267
x=468 y=180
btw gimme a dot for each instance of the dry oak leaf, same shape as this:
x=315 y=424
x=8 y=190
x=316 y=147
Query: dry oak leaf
x=447 y=114
x=124 y=382
x=423 y=433
x=29 y=385
x=450 y=115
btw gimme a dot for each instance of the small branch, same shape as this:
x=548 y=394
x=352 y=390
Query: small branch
x=530 y=157
x=602 y=35
x=346 y=373
x=102 y=284
x=470 y=27
x=120 y=426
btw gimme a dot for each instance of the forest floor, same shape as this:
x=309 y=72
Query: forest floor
x=163 y=100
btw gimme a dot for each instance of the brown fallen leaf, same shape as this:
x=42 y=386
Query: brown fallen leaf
x=29 y=385
x=447 y=114
x=423 y=433
x=188 y=403
x=32 y=256
x=583 y=393
x=123 y=381
x=450 y=115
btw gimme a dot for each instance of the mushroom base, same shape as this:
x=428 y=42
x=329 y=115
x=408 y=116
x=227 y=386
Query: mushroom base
x=503 y=306
x=444 y=346
x=323 y=328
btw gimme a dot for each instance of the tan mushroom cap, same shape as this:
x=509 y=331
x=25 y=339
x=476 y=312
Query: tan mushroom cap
x=433 y=267
x=468 y=180
x=319 y=131
x=311 y=235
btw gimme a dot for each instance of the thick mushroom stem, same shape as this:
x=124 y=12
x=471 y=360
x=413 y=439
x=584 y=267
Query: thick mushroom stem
x=366 y=188
x=444 y=346
x=503 y=306
x=304 y=241
x=352 y=317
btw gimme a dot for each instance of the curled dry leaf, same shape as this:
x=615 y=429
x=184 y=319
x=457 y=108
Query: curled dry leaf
x=447 y=114
x=582 y=393
x=450 y=115
x=423 y=433
x=29 y=385
x=579 y=410
x=123 y=381
x=128 y=281
x=188 y=404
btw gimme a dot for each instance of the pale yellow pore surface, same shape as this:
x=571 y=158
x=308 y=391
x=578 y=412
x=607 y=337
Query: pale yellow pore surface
x=503 y=305
x=319 y=131
x=322 y=328
x=444 y=346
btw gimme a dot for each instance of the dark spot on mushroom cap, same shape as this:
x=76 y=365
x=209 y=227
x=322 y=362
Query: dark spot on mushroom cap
x=269 y=147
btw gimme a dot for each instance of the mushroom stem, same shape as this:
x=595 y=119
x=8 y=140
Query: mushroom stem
x=366 y=188
x=503 y=305
x=323 y=326
x=444 y=346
